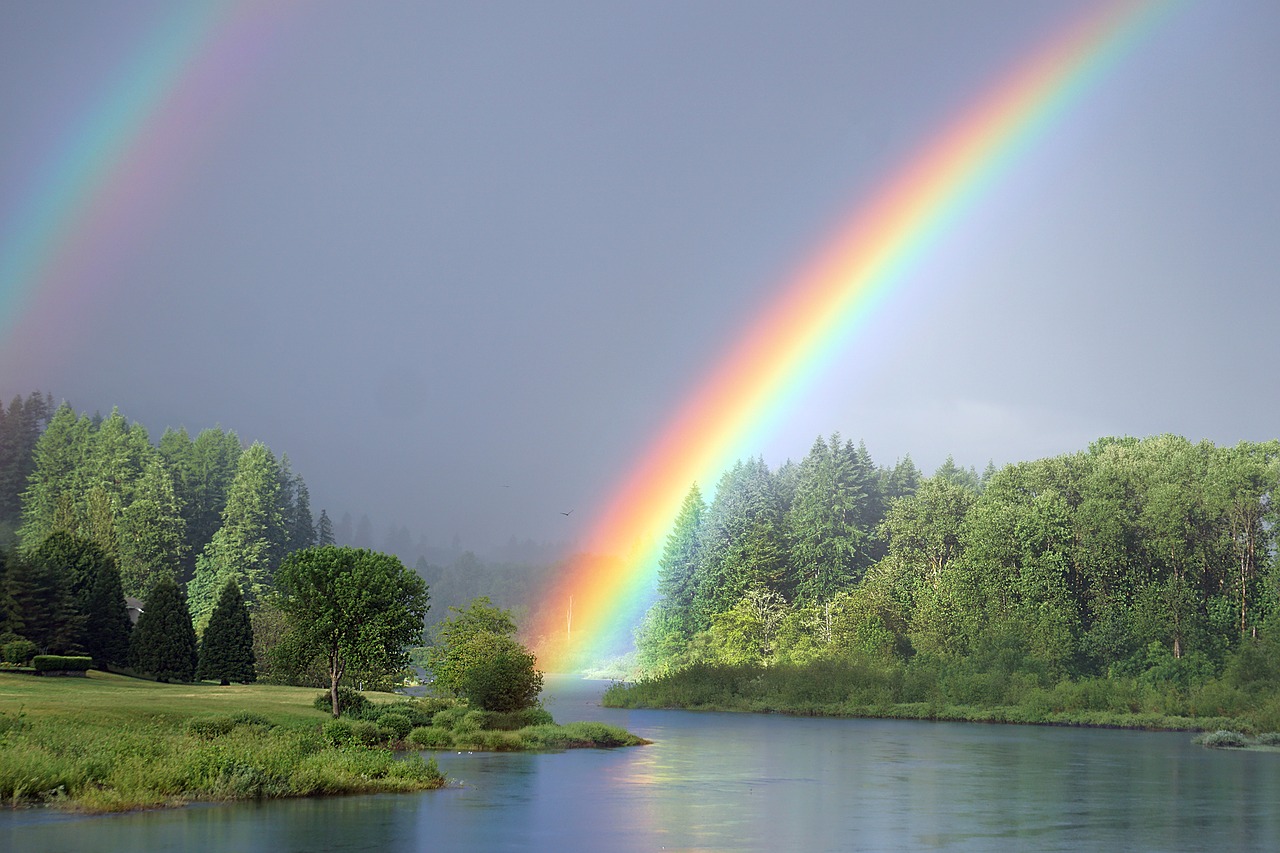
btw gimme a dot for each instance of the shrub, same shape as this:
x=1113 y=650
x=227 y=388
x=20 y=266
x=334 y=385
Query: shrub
x=395 y=726
x=1269 y=739
x=366 y=733
x=510 y=721
x=472 y=721
x=1223 y=739
x=338 y=732
x=350 y=702
x=61 y=663
x=430 y=737
x=18 y=652
x=208 y=728
x=249 y=718
x=449 y=718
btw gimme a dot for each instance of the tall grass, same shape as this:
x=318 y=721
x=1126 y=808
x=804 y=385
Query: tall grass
x=943 y=690
x=116 y=746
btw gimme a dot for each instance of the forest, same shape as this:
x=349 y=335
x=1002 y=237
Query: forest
x=1151 y=560
x=1144 y=561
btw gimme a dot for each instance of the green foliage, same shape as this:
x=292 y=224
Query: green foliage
x=357 y=610
x=350 y=702
x=430 y=737
x=208 y=728
x=1223 y=740
x=41 y=591
x=226 y=649
x=395 y=726
x=246 y=548
x=60 y=663
x=163 y=644
x=339 y=732
x=18 y=652
x=477 y=656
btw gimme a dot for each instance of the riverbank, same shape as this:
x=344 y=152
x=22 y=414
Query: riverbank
x=109 y=743
x=835 y=690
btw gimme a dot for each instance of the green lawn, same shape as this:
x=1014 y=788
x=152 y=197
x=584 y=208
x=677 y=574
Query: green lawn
x=111 y=743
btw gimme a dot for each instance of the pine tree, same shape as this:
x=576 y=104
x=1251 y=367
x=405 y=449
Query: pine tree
x=107 y=626
x=151 y=532
x=246 y=546
x=20 y=429
x=226 y=650
x=826 y=542
x=679 y=562
x=164 y=642
x=324 y=531
x=41 y=593
x=55 y=490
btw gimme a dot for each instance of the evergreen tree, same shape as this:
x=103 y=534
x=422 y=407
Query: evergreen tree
x=226 y=650
x=152 y=533
x=164 y=643
x=245 y=547
x=324 y=530
x=107 y=627
x=302 y=526
x=202 y=472
x=826 y=543
x=900 y=481
x=55 y=489
x=20 y=429
x=742 y=541
x=679 y=563
x=363 y=535
x=41 y=593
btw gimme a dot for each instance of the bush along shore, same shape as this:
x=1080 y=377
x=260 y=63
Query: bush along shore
x=444 y=723
x=891 y=691
x=108 y=743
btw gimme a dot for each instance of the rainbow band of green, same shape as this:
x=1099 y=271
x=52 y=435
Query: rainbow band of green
x=796 y=338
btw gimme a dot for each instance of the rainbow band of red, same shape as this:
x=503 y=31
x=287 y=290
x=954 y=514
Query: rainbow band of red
x=797 y=335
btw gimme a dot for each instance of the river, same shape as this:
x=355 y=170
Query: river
x=747 y=782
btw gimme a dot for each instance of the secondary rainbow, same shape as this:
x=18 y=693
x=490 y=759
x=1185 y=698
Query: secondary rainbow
x=101 y=180
x=596 y=601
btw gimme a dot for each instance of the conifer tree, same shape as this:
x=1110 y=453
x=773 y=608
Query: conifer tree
x=245 y=548
x=55 y=489
x=324 y=531
x=152 y=535
x=164 y=642
x=41 y=593
x=107 y=626
x=226 y=650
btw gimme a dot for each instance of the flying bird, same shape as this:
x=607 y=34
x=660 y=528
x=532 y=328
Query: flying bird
x=566 y=513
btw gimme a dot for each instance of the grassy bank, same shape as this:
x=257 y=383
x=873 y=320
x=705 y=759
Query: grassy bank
x=110 y=743
x=868 y=689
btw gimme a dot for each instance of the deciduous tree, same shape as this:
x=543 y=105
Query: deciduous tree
x=359 y=610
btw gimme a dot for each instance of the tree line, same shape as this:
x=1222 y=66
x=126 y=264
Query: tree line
x=1128 y=557
x=232 y=577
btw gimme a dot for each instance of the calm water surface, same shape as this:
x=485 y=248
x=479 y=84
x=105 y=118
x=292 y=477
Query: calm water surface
x=733 y=781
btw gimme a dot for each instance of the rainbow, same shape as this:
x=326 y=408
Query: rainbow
x=591 y=607
x=106 y=175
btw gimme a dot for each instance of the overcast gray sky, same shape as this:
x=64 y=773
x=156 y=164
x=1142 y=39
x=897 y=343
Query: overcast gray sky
x=460 y=261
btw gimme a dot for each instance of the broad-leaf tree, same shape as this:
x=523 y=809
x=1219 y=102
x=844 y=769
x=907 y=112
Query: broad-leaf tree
x=356 y=609
x=477 y=656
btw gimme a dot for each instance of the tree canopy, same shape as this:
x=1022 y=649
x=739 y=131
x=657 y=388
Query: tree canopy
x=356 y=609
x=477 y=656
